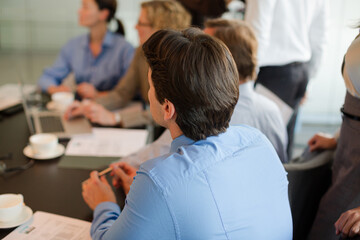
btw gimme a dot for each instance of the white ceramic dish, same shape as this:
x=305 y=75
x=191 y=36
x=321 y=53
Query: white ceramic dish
x=23 y=218
x=52 y=106
x=11 y=205
x=60 y=149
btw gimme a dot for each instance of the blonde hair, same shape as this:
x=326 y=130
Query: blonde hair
x=241 y=41
x=166 y=14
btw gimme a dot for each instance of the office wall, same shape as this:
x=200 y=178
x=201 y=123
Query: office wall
x=33 y=31
x=325 y=93
x=45 y=25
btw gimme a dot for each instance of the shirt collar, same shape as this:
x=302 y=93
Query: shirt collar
x=247 y=88
x=108 y=40
x=180 y=141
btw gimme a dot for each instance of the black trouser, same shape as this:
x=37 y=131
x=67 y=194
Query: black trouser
x=289 y=83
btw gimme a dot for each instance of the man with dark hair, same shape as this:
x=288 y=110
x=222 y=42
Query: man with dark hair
x=217 y=182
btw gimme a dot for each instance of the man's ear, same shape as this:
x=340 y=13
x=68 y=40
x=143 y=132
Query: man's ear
x=169 y=110
x=104 y=14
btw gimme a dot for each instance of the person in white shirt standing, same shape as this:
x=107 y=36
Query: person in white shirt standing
x=291 y=36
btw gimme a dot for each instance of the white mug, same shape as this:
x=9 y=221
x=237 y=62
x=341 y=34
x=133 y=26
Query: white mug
x=43 y=143
x=62 y=99
x=11 y=206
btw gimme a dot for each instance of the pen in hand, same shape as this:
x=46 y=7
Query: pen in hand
x=105 y=171
x=102 y=173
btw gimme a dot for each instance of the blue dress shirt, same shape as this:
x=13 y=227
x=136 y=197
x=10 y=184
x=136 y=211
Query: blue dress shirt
x=231 y=186
x=103 y=71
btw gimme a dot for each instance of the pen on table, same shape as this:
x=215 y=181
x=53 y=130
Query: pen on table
x=102 y=173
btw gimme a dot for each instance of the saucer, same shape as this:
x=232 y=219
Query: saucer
x=52 y=106
x=60 y=149
x=25 y=215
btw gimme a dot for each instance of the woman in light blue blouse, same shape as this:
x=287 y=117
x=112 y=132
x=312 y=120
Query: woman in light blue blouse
x=98 y=59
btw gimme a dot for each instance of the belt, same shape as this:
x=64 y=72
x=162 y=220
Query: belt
x=348 y=115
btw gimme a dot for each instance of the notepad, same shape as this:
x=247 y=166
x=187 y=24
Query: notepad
x=44 y=226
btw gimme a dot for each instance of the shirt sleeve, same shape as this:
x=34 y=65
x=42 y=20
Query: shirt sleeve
x=127 y=57
x=318 y=35
x=259 y=15
x=145 y=216
x=55 y=74
x=125 y=90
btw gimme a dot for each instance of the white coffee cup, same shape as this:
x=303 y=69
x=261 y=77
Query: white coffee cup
x=62 y=99
x=43 y=143
x=11 y=206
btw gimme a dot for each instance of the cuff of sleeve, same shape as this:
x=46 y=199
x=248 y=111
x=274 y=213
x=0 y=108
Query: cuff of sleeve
x=105 y=215
x=45 y=83
x=106 y=207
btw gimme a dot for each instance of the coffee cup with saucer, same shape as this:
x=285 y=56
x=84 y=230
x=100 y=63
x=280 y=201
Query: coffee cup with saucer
x=13 y=212
x=60 y=101
x=44 y=146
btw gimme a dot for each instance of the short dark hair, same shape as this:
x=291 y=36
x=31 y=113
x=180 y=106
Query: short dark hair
x=197 y=73
x=241 y=41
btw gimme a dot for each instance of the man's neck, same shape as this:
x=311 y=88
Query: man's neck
x=175 y=131
x=242 y=81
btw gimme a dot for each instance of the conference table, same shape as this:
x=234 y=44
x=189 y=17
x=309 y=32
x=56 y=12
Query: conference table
x=45 y=186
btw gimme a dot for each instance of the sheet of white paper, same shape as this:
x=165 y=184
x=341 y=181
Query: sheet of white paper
x=107 y=142
x=45 y=226
x=10 y=94
x=286 y=110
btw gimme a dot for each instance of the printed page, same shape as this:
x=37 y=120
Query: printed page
x=10 y=94
x=107 y=142
x=45 y=226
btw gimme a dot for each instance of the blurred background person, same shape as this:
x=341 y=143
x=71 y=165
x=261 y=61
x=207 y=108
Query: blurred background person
x=97 y=60
x=343 y=193
x=252 y=108
x=291 y=36
x=154 y=15
x=202 y=10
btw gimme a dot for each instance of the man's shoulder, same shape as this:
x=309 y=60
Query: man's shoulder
x=266 y=104
x=190 y=160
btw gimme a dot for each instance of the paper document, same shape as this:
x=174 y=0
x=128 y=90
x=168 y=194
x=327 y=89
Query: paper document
x=286 y=110
x=10 y=94
x=45 y=226
x=107 y=142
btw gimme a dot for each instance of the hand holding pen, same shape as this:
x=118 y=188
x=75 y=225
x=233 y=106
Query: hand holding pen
x=96 y=189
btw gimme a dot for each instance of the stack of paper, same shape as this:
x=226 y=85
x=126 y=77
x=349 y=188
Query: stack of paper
x=107 y=142
x=10 y=94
